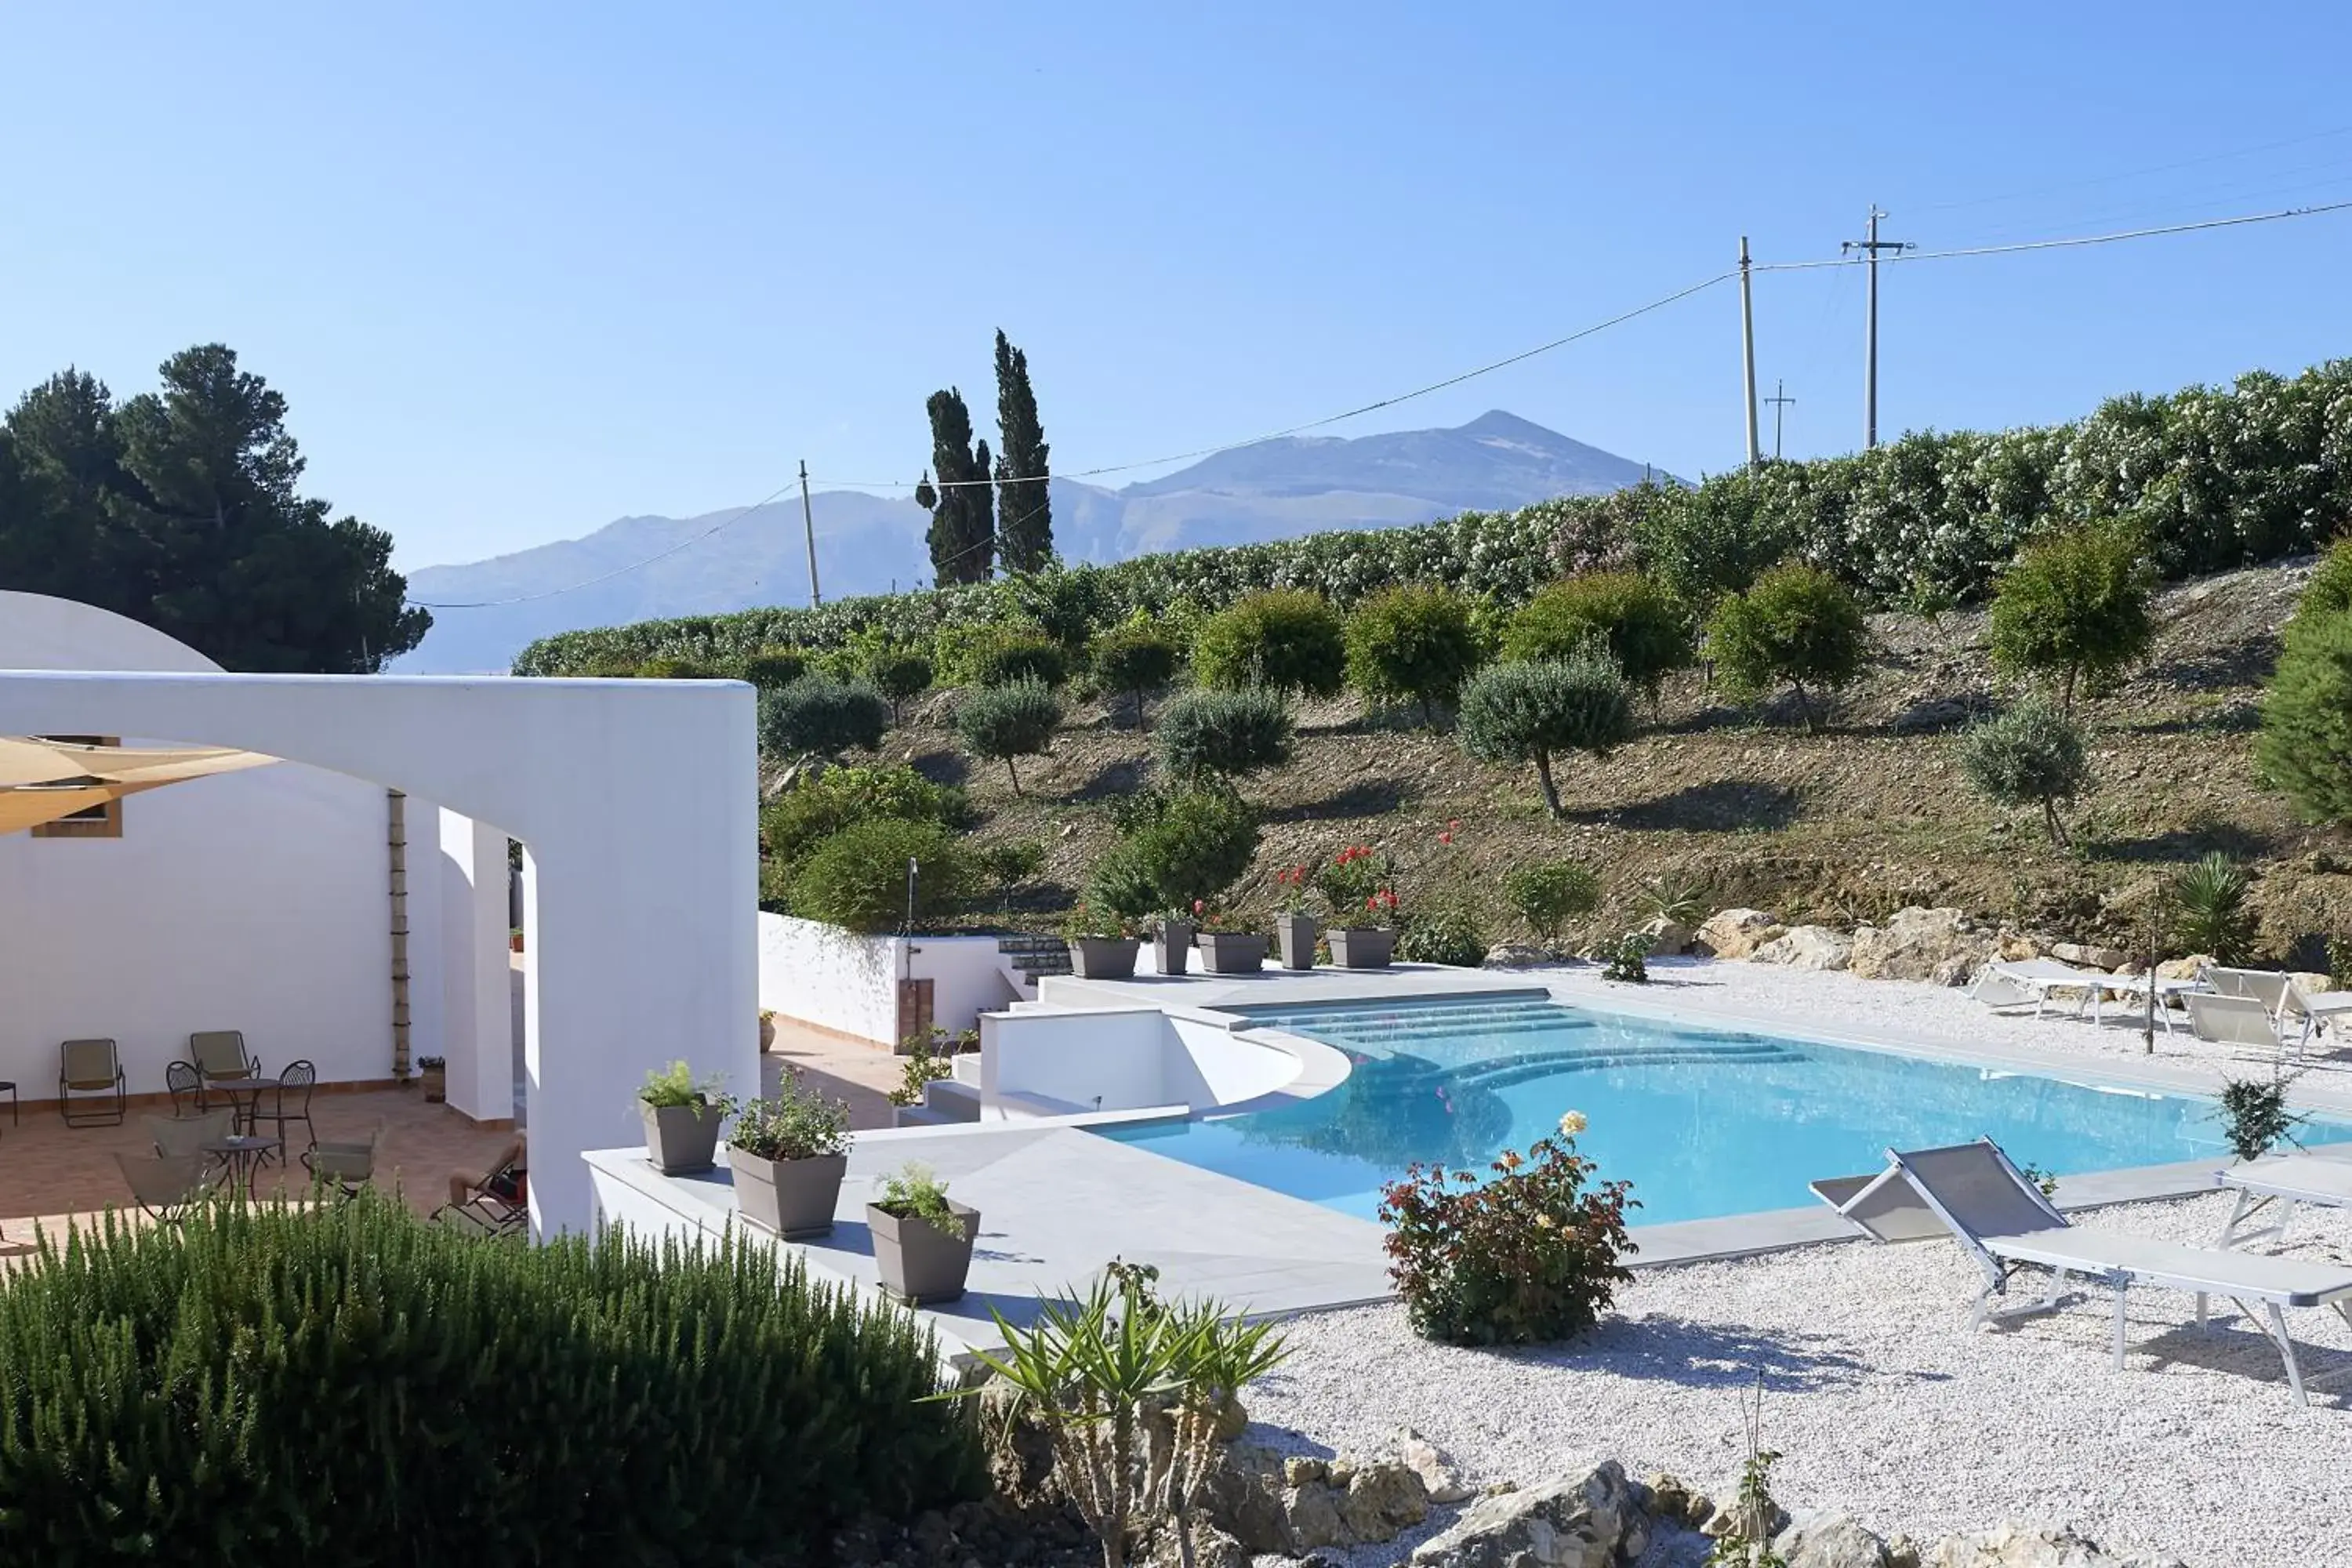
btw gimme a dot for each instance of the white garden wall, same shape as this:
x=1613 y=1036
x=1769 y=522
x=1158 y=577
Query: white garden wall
x=1076 y=1061
x=821 y=974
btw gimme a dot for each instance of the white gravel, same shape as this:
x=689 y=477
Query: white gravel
x=1884 y=1401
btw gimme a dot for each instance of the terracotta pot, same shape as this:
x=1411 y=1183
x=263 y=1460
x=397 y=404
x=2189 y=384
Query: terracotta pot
x=514 y=942
x=1104 y=957
x=1295 y=935
x=920 y=1263
x=1173 y=946
x=682 y=1138
x=792 y=1198
x=1231 y=953
x=436 y=1085
x=1362 y=947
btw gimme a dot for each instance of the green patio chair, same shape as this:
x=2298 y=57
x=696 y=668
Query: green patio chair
x=167 y=1186
x=91 y=1068
x=347 y=1166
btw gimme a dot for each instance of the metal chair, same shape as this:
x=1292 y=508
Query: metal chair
x=220 y=1053
x=299 y=1078
x=497 y=1203
x=348 y=1166
x=90 y=1069
x=15 y=1110
x=187 y=1086
x=185 y=1137
x=167 y=1186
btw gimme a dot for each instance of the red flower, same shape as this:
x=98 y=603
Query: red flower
x=1197 y=906
x=1445 y=837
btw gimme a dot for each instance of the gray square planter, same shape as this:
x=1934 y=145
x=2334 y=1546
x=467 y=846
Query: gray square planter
x=1104 y=957
x=1231 y=953
x=682 y=1138
x=1362 y=947
x=920 y=1263
x=791 y=1198
x=1296 y=936
x=1173 y=946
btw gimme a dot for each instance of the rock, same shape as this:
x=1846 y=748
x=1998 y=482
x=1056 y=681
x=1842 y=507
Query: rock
x=1914 y=944
x=1830 y=1540
x=1383 y=1497
x=1955 y=971
x=1699 y=1510
x=1572 y=1523
x=1669 y=1498
x=1735 y=933
x=2310 y=982
x=2107 y=958
x=2185 y=968
x=2020 y=948
x=1516 y=955
x=1902 y=1551
x=1807 y=947
x=1244 y=1497
x=2016 y=1546
x=1233 y=1419
x=1299 y=1470
x=1212 y=1548
x=1932 y=713
x=1313 y=1512
x=1441 y=1477
x=1669 y=937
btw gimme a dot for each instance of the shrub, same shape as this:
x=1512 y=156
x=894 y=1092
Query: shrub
x=1011 y=658
x=1136 y=657
x=2033 y=755
x=2329 y=592
x=1223 y=735
x=2075 y=604
x=2254 y=1115
x=1643 y=630
x=1001 y=723
x=1353 y=879
x=2305 y=746
x=676 y=670
x=349 y=1383
x=1178 y=849
x=856 y=879
x=2210 y=901
x=799 y=1124
x=817 y=806
x=1413 y=645
x=817 y=715
x=1007 y=865
x=1797 y=626
x=770 y=668
x=1448 y=934
x=1285 y=639
x=1626 y=958
x=1551 y=893
x=897 y=673
x=1527 y=1256
x=1531 y=712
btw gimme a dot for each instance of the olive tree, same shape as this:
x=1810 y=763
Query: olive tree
x=1532 y=710
x=2033 y=755
x=1223 y=735
x=1003 y=723
x=817 y=715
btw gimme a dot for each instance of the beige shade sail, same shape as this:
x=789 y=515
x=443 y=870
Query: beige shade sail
x=42 y=781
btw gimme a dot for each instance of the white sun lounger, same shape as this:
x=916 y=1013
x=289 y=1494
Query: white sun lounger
x=2285 y=1179
x=2004 y=1223
x=2018 y=983
x=2236 y=1021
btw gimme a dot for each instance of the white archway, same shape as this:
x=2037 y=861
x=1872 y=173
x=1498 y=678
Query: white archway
x=635 y=800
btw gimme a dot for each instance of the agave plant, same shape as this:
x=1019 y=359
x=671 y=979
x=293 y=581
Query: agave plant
x=2210 y=898
x=1677 y=897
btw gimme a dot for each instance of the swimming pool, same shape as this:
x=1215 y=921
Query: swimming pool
x=1704 y=1123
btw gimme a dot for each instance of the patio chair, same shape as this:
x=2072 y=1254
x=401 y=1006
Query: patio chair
x=2267 y=986
x=2233 y=1021
x=344 y=1165
x=220 y=1053
x=185 y=1137
x=2016 y=983
x=2006 y=1225
x=2286 y=1180
x=91 y=1068
x=167 y=1186
x=495 y=1203
x=290 y=1101
x=187 y=1086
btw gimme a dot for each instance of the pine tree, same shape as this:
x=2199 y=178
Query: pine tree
x=963 y=525
x=1022 y=464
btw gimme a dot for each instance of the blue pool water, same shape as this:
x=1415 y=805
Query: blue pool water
x=1704 y=1123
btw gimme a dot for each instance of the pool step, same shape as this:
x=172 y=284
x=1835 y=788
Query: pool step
x=1350 y=1017
x=1466 y=1030
x=1561 y=1063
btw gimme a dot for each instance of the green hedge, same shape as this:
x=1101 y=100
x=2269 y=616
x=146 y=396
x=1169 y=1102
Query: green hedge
x=2214 y=478
x=353 y=1386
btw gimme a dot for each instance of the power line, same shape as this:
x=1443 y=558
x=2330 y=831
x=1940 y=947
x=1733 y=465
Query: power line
x=2135 y=174
x=2074 y=241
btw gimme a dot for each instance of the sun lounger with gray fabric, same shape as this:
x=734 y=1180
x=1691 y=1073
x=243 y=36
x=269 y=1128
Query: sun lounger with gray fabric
x=2033 y=982
x=2285 y=1179
x=2235 y=1021
x=2004 y=1221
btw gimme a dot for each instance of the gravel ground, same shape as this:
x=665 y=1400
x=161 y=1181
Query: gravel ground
x=1885 y=1403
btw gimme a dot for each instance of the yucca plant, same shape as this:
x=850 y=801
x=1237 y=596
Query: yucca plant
x=2209 y=903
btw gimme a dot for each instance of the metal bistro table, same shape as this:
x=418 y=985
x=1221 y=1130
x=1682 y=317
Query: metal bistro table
x=244 y=1155
x=244 y=1095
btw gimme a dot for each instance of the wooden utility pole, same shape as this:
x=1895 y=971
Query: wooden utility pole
x=808 y=522
x=1780 y=400
x=1748 y=349
x=1870 y=245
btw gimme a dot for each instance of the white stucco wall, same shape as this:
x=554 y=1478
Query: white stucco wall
x=1077 y=1062
x=824 y=975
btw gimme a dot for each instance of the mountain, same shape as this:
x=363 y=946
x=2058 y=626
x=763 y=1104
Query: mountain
x=867 y=544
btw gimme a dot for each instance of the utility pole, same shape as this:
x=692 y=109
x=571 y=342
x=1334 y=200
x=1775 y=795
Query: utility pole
x=1748 y=349
x=808 y=521
x=1780 y=400
x=1870 y=245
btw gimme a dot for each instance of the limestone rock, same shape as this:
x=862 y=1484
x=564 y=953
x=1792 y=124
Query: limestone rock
x=1313 y=1512
x=1244 y=1497
x=2019 y=948
x=1670 y=1498
x=2016 y=1546
x=1383 y=1497
x=1212 y=1548
x=1441 y=1477
x=2310 y=983
x=1575 y=1521
x=1735 y=933
x=1830 y=1540
x=1516 y=955
x=2185 y=968
x=1807 y=947
x=2107 y=958
x=1914 y=944
x=1668 y=938
x=1902 y=1551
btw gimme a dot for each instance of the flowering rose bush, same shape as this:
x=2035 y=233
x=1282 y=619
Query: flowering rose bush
x=1354 y=875
x=1530 y=1254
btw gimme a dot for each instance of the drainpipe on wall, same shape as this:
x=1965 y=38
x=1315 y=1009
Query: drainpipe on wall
x=396 y=806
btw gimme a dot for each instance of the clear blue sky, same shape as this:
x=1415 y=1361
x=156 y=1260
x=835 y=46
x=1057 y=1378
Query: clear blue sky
x=525 y=269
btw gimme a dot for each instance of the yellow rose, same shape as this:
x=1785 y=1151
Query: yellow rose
x=1572 y=1124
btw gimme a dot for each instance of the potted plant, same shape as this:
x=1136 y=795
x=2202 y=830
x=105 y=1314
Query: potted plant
x=1356 y=884
x=767 y=1028
x=1101 y=947
x=434 y=1072
x=1294 y=929
x=1172 y=943
x=682 y=1118
x=514 y=939
x=1225 y=951
x=923 y=1239
x=789 y=1155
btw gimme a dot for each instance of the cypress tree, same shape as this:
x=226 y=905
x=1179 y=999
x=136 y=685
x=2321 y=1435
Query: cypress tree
x=963 y=524
x=1022 y=464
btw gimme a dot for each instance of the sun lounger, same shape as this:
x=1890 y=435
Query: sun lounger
x=2235 y=1021
x=2019 y=983
x=2004 y=1223
x=2285 y=1179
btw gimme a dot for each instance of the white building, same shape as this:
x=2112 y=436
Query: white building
x=270 y=899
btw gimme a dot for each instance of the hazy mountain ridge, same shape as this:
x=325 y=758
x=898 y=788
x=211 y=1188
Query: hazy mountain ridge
x=868 y=544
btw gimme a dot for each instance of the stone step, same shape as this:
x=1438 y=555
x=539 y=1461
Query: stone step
x=952 y=1099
